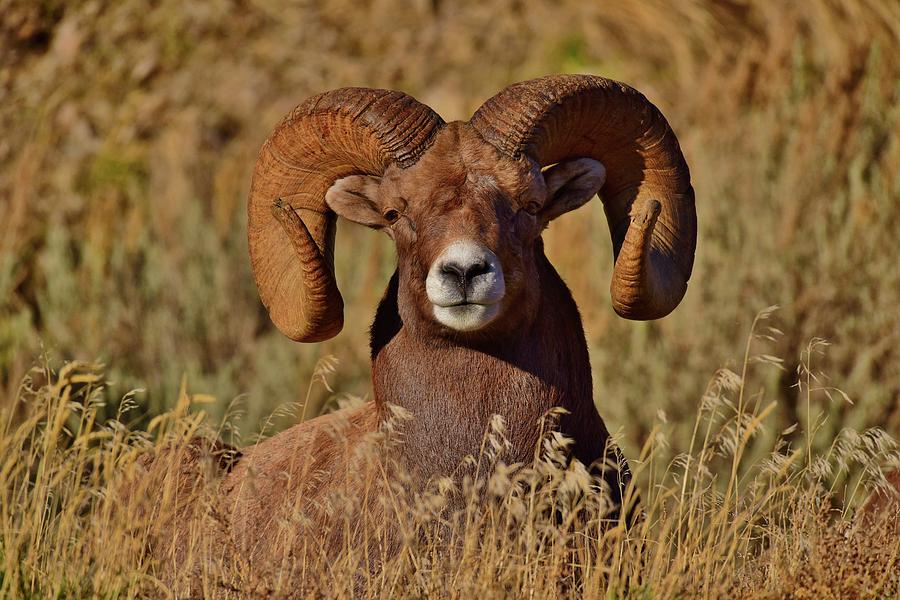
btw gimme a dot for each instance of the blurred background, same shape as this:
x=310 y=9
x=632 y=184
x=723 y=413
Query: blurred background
x=130 y=130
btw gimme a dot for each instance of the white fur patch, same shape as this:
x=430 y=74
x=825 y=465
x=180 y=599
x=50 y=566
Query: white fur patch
x=473 y=305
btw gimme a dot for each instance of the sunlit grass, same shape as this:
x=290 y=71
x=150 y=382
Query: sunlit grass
x=725 y=518
x=129 y=131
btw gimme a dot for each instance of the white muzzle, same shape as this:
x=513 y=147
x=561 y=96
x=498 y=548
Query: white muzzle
x=465 y=286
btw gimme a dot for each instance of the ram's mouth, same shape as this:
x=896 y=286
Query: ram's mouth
x=466 y=302
x=466 y=316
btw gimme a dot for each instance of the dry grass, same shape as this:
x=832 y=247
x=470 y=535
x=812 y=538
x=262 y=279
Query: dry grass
x=779 y=526
x=129 y=130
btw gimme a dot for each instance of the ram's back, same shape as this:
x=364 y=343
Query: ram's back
x=298 y=489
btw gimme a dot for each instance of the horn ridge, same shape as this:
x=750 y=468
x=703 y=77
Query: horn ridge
x=559 y=117
x=348 y=131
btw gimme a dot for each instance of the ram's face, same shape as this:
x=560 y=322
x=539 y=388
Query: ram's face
x=466 y=222
x=465 y=236
x=466 y=202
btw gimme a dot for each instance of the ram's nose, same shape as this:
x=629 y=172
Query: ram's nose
x=463 y=274
x=466 y=272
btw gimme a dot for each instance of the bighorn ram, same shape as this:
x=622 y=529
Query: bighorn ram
x=475 y=320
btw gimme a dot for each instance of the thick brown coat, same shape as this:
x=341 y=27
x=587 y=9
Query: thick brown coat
x=490 y=186
x=531 y=359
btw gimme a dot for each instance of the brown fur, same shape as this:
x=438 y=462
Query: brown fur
x=281 y=486
x=177 y=480
x=884 y=503
x=532 y=358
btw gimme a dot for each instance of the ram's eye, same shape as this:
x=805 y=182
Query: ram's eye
x=532 y=208
x=391 y=215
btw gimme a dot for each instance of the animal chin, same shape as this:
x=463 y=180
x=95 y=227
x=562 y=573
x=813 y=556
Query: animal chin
x=466 y=316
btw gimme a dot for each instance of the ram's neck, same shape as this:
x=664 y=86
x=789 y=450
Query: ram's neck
x=453 y=391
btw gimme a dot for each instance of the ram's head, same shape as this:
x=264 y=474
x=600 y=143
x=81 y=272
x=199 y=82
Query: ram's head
x=466 y=202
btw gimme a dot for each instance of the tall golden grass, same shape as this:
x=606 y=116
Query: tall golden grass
x=129 y=130
x=716 y=522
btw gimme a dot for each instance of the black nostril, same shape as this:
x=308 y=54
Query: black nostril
x=476 y=269
x=464 y=274
x=453 y=270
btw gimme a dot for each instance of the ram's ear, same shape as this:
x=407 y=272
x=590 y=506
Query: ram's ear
x=356 y=199
x=571 y=184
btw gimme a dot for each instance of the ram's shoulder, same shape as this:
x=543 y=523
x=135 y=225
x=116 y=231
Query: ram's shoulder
x=169 y=478
x=313 y=445
x=884 y=503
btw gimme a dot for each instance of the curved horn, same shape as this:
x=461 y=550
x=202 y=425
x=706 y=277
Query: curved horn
x=350 y=131
x=647 y=197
